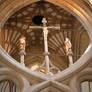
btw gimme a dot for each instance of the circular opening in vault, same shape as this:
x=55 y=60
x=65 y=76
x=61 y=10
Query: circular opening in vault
x=37 y=19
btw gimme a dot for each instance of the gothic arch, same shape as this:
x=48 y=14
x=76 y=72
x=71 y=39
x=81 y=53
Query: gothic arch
x=9 y=7
x=86 y=74
x=8 y=74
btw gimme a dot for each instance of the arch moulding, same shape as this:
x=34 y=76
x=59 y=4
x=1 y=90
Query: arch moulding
x=84 y=75
x=8 y=74
x=9 y=7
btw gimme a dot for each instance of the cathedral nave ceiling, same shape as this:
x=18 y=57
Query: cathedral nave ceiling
x=19 y=25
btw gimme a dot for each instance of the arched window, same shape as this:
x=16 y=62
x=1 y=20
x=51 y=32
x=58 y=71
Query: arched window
x=86 y=86
x=90 y=1
x=7 y=86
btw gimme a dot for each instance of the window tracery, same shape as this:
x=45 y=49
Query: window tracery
x=86 y=86
x=7 y=86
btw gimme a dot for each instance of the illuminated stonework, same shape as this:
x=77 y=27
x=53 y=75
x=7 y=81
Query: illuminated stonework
x=69 y=79
x=90 y=1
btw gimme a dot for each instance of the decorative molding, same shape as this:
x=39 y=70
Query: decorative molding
x=81 y=64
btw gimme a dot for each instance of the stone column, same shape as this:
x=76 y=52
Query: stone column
x=45 y=31
x=69 y=53
x=70 y=57
x=22 y=52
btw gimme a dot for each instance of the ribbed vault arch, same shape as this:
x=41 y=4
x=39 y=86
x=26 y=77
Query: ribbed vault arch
x=81 y=15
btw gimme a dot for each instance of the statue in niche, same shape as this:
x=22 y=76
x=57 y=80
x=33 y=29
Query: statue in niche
x=68 y=45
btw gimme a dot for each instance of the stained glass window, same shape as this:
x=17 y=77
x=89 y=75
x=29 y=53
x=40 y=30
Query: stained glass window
x=86 y=86
x=7 y=86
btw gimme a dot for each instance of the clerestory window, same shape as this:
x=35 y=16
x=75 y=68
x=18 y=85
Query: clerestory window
x=86 y=86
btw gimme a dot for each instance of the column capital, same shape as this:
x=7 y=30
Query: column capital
x=22 y=52
x=70 y=52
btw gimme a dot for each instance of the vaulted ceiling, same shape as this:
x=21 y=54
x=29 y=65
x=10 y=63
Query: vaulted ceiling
x=19 y=24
